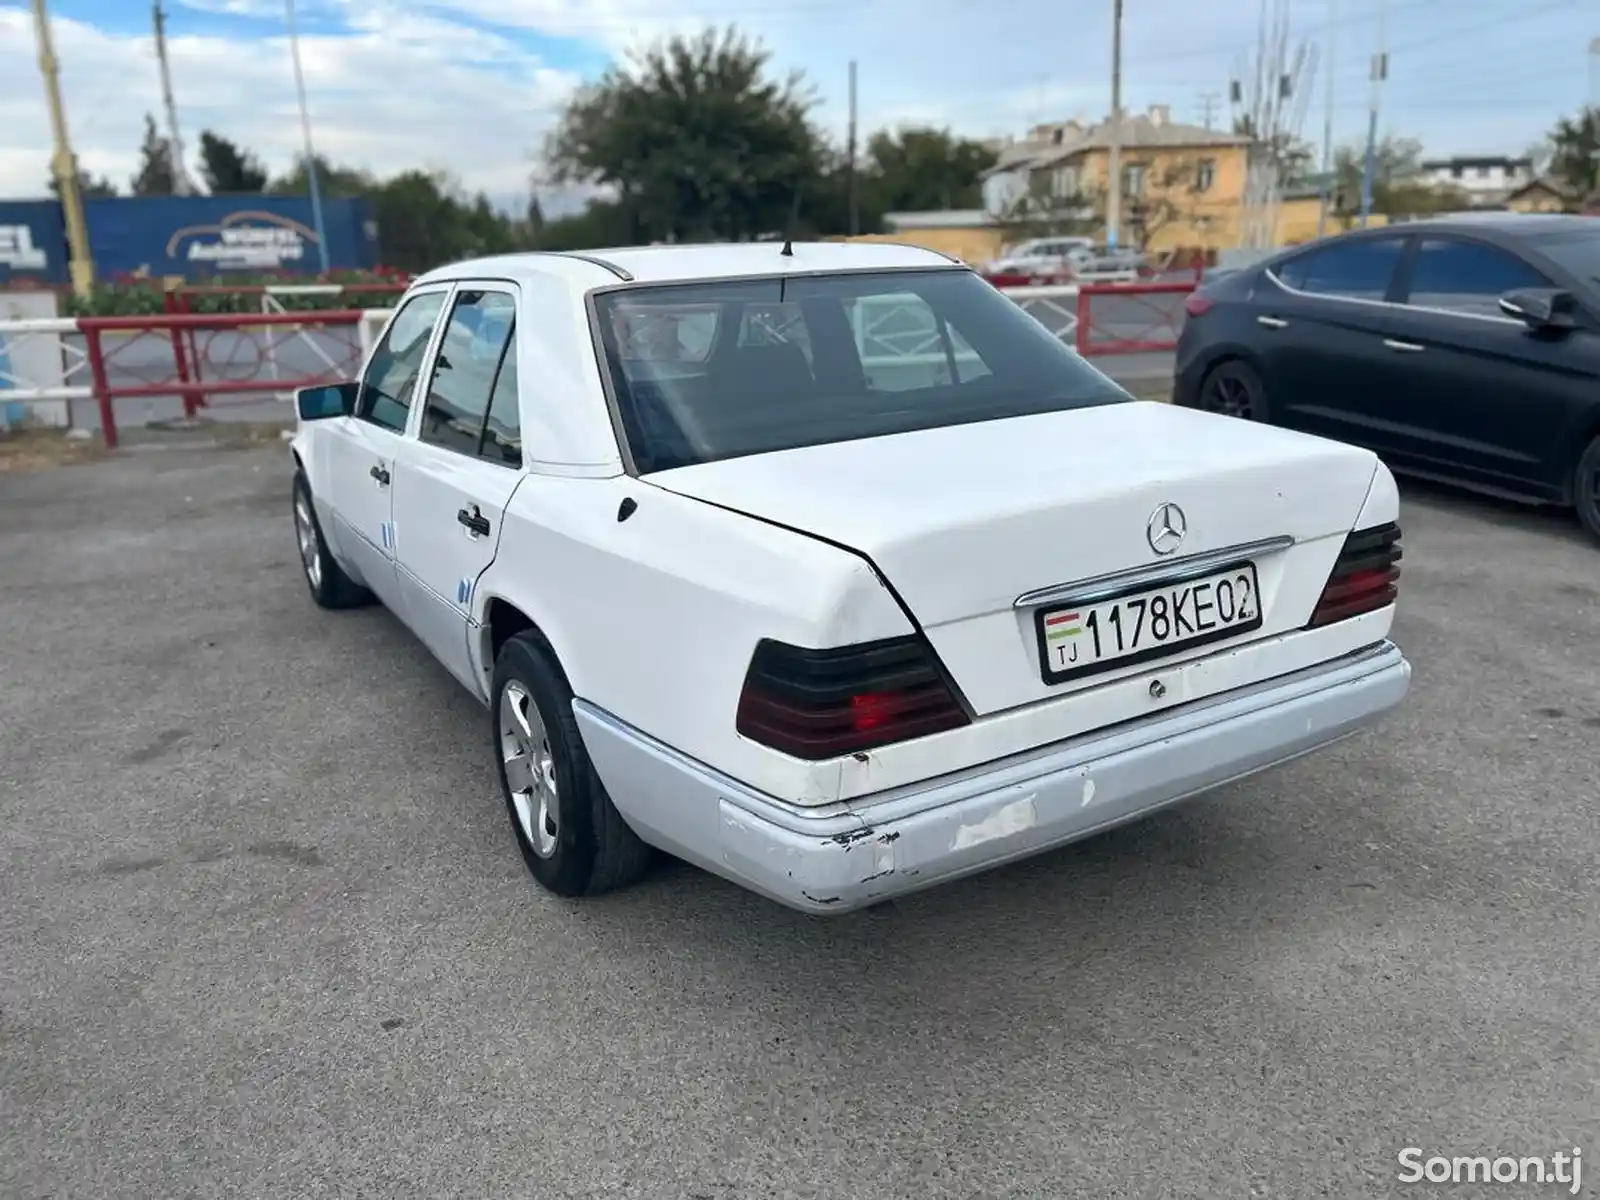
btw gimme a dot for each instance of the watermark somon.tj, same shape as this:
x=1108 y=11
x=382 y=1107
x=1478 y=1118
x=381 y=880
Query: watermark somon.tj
x=1559 y=1168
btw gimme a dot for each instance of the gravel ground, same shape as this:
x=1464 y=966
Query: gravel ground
x=264 y=931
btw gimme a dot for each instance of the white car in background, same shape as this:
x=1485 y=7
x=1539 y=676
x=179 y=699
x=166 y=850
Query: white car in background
x=1041 y=256
x=830 y=570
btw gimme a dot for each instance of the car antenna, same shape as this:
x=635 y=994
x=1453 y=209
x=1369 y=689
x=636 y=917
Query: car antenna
x=794 y=218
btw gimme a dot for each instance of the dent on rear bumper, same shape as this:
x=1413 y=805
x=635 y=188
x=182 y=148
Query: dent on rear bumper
x=844 y=856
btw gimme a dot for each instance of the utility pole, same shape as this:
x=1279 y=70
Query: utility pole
x=1208 y=101
x=180 y=174
x=1327 y=120
x=850 y=156
x=63 y=163
x=1114 y=155
x=305 y=131
x=1380 y=72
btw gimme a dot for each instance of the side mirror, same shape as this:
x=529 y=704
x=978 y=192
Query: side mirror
x=326 y=400
x=1540 y=309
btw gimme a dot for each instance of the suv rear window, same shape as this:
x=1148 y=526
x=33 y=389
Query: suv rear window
x=715 y=370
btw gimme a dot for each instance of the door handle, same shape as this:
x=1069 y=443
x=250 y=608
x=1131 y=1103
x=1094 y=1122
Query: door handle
x=1271 y=322
x=1412 y=347
x=477 y=524
x=381 y=474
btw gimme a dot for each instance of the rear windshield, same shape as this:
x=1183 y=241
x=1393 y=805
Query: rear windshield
x=708 y=371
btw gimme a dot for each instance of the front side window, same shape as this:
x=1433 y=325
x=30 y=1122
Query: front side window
x=1578 y=251
x=790 y=362
x=384 y=397
x=1357 y=270
x=1467 y=277
x=465 y=369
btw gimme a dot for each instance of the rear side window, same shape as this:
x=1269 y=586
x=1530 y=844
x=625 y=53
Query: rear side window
x=1357 y=270
x=716 y=370
x=1467 y=277
x=466 y=368
x=502 y=432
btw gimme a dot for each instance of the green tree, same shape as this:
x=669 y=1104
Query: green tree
x=600 y=223
x=226 y=168
x=331 y=180
x=916 y=170
x=1397 y=188
x=533 y=222
x=156 y=176
x=1575 y=152
x=90 y=187
x=694 y=138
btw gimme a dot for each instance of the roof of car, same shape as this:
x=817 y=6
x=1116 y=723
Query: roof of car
x=1514 y=223
x=683 y=263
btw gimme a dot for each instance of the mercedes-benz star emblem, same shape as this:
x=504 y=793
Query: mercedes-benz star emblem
x=1166 y=528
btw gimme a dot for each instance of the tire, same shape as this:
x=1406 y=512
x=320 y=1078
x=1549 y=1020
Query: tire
x=590 y=849
x=1586 y=488
x=330 y=586
x=1234 y=389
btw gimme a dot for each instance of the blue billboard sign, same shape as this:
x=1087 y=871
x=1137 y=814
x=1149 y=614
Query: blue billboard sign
x=33 y=242
x=198 y=237
x=204 y=236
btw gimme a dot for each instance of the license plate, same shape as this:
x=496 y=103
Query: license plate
x=1147 y=623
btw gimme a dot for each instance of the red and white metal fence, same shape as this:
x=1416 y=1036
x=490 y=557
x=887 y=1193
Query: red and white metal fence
x=212 y=360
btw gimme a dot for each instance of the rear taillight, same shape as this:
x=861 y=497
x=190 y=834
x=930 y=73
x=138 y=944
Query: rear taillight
x=1363 y=578
x=816 y=704
x=1197 y=305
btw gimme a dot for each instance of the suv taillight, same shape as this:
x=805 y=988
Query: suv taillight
x=817 y=704
x=1363 y=578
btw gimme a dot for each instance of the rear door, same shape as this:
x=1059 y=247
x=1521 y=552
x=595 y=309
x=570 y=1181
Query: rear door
x=1322 y=317
x=1488 y=400
x=363 y=447
x=455 y=476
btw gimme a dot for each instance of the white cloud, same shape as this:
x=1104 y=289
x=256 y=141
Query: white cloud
x=453 y=83
x=395 y=92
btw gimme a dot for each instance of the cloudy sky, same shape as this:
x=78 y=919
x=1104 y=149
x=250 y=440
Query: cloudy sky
x=471 y=85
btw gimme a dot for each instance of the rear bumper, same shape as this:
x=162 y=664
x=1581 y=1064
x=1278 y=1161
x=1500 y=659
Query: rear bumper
x=840 y=857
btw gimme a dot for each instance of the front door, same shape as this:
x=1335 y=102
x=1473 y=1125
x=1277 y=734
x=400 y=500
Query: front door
x=1490 y=402
x=1323 y=320
x=363 y=450
x=453 y=480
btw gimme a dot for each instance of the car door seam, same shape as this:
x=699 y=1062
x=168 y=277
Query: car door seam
x=472 y=591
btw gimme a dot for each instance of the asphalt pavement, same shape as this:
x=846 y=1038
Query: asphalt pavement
x=264 y=931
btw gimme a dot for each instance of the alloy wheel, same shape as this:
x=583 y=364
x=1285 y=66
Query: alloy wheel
x=530 y=768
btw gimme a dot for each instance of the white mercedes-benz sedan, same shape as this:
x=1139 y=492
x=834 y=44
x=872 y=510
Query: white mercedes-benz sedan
x=830 y=570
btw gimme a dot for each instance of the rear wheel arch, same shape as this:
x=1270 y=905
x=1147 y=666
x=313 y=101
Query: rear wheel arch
x=505 y=619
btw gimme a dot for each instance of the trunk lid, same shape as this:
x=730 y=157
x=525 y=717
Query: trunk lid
x=964 y=520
